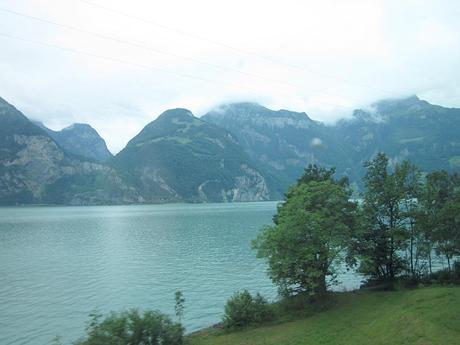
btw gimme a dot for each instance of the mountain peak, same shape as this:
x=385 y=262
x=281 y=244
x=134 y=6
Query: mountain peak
x=171 y=122
x=181 y=157
x=391 y=104
x=11 y=118
x=246 y=113
x=80 y=139
x=79 y=127
x=176 y=113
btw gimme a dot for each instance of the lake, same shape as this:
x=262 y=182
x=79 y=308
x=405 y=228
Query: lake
x=57 y=264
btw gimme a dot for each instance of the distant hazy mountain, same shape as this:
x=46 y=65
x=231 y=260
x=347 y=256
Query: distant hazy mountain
x=179 y=157
x=82 y=140
x=283 y=142
x=410 y=128
x=34 y=169
x=238 y=152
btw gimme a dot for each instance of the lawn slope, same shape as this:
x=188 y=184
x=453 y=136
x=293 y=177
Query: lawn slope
x=423 y=316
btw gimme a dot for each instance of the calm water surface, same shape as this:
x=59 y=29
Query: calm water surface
x=59 y=263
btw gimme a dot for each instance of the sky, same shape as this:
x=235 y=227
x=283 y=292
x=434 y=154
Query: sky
x=118 y=64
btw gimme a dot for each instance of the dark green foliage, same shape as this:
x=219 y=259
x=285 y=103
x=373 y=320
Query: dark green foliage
x=447 y=232
x=440 y=214
x=316 y=173
x=389 y=206
x=132 y=328
x=438 y=217
x=445 y=276
x=312 y=234
x=242 y=310
x=406 y=220
x=179 y=306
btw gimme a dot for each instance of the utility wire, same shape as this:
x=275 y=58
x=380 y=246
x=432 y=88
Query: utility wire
x=227 y=46
x=141 y=46
x=122 y=61
x=144 y=47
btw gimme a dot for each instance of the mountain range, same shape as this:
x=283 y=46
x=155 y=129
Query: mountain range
x=236 y=152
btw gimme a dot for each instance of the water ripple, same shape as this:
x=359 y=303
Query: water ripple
x=59 y=263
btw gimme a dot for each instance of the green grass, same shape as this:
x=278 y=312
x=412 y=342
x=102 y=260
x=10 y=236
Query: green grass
x=424 y=316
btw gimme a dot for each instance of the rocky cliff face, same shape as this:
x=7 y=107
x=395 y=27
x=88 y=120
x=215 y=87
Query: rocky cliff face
x=179 y=157
x=282 y=142
x=35 y=169
x=285 y=142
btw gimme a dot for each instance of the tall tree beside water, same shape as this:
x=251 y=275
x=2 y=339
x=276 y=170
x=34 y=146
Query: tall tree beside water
x=311 y=235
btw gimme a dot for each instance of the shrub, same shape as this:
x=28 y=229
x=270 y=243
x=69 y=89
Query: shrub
x=456 y=270
x=133 y=328
x=242 y=309
x=446 y=276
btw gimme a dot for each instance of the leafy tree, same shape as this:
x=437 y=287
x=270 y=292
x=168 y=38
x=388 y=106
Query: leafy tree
x=437 y=191
x=439 y=215
x=311 y=235
x=389 y=212
x=410 y=208
x=447 y=230
x=316 y=173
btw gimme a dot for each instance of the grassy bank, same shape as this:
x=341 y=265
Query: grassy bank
x=422 y=316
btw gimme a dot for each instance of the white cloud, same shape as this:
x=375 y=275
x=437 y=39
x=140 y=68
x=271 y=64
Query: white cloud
x=332 y=56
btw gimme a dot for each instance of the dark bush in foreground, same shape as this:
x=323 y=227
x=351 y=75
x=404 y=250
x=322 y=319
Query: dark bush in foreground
x=133 y=328
x=242 y=309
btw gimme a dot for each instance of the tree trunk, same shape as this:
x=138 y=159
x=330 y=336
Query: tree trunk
x=429 y=261
x=412 y=270
x=321 y=288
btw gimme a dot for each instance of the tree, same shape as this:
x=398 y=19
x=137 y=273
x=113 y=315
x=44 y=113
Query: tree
x=311 y=234
x=179 y=306
x=389 y=212
x=439 y=216
x=447 y=230
x=410 y=209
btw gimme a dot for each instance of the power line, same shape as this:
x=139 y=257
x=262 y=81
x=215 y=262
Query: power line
x=141 y=46
x=227 y=46
x=138 y=45
x=126 y=62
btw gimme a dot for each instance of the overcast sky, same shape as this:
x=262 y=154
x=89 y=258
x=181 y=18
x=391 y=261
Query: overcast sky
x=118 y=64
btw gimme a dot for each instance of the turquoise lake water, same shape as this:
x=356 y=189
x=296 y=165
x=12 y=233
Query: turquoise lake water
x=57 y=264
